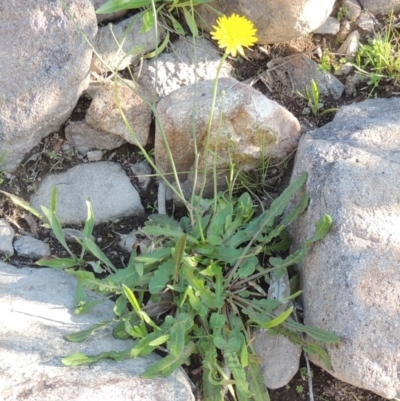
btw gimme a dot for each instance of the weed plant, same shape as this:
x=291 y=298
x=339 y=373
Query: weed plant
x=379 y=59
x=199 y=289
x=313 y=100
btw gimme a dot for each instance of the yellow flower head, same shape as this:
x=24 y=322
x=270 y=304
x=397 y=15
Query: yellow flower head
x=234 y=32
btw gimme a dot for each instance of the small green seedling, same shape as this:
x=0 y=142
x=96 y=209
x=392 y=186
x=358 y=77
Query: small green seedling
x=342 y=13
x=313 y=100
x=379 y=59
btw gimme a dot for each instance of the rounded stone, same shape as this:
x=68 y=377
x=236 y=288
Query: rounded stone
x=276 y=20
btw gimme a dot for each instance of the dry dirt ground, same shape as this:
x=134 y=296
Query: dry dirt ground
x=49 y=157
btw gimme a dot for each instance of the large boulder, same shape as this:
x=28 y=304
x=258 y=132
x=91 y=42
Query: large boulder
x=381 y=6
x=37 y=312
x=276 y=20
x=351 y=280
x=246 y=128
x=45 y=65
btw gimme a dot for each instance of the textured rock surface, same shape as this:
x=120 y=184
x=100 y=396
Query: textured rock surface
x=104 y=183
x=177 y=68
x=6 y=238
x=351 y=280
x=83 y=137
x=301 y=70
x=127 y=32
x=104 y=114
x=330 y=27
x=36 y=99
x=252 y=127
x=280 y=358
x=36 y=314
x=30 y=247
x=101 y=18
x=380 y=6
x=276 y=20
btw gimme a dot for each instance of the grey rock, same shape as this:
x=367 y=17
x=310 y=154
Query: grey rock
x=296 y=72
x=106 y=185
x=127 y=242
x=84 y=138
x=94 y=155
x=366 y=23
x=352 y=8
x=345 y=29
x=345 y=69
x=350 y=46
x=6 y=238
x=178 y=68
x=252 y=127
x=330 y=27
x=142 y=171
x=276 y=20
x=30 y=247
x=127 y=32
x=380 y=6
x=35 y=101
x=102 y=18
x=351 y=281
x=37 y=313
x=280 y=358
x=70 y=235
x=104 y=113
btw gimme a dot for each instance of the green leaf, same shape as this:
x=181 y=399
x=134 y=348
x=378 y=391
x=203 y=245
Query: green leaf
x=316 y=333
x=80 y=294
x=178 y=254
x=132 y=299
x=170 y=363
x=53 y=199
x=160 y=48
x=87 y=306
x=189 y=18
x=56 y=227
x=176 y=25
x=255 y=380
x=83 y=335
x=120 y=307
x=181 y=326
x=322 y=228
x=278 y=320
x=89 y=224
x=22 y=203
x=217 y=321
x=161 y=276
x=113 y=6
x=315 y=349
x=292 y=259
x=163 y=338
x=148 y=21
x=77 y=358
x=196 y=304
x=98 y=253
x=247 y=268
x=58 y=263
x=198 y=285
x=233 y=363
x=157 y=256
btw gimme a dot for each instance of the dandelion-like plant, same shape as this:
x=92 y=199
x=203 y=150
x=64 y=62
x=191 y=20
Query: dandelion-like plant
x=234 y=33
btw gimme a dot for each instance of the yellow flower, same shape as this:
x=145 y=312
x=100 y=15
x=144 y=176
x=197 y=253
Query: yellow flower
x=234 y=32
